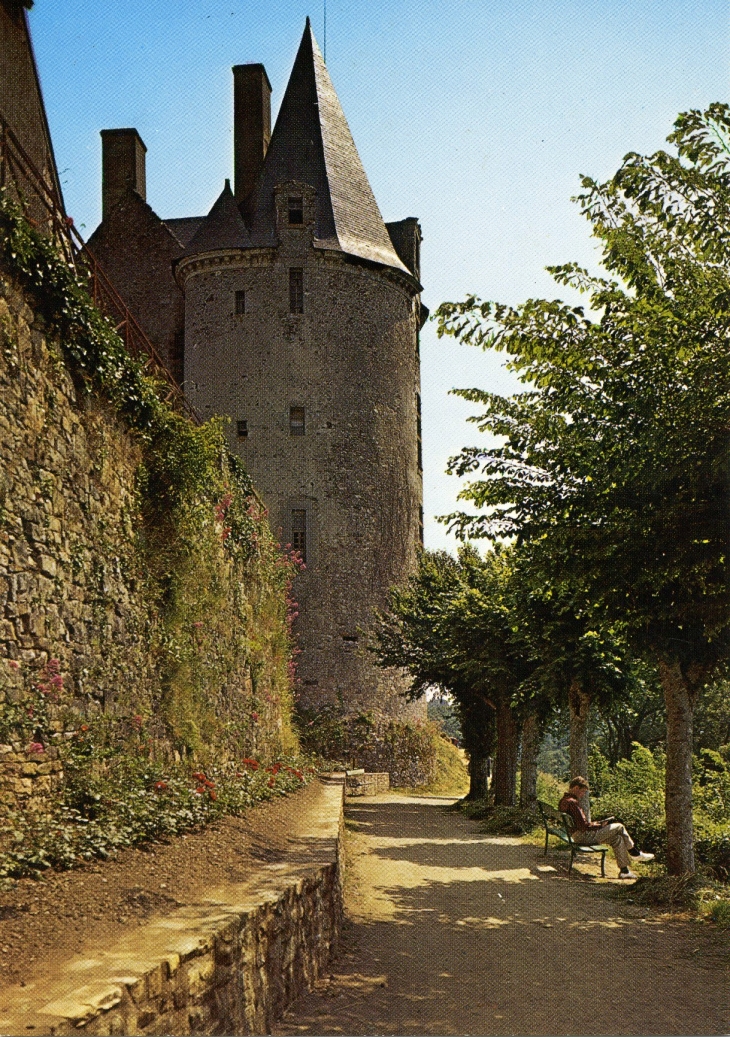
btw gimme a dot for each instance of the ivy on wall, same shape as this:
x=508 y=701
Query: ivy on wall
x=214 y=579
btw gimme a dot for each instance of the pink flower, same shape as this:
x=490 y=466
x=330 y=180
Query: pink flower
x=13 y=664
x=35 y=747
x=254 y=716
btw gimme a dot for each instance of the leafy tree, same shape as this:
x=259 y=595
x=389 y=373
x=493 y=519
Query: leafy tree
x=614 y=463
x=580 y=661
x=444 y=713
x=493 y=654
x=712 y=718
x=415 y=634
x=638 y=716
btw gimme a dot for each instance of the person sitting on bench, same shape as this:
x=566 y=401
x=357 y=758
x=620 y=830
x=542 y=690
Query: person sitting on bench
x=608 y=831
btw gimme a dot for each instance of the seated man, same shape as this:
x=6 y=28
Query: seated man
x=609 y=832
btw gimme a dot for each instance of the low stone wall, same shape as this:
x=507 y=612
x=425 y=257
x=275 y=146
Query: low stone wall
x=369 y=784
x=229 y=964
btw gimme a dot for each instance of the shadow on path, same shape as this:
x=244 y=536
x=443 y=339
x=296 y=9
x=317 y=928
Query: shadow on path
x=450 y=931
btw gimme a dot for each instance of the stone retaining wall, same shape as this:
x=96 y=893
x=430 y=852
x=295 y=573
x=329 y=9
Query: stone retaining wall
x=229 y=964
x=367 y=784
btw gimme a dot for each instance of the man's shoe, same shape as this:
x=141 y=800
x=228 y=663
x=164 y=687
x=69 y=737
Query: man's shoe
x=626 y=874
x=641 y=856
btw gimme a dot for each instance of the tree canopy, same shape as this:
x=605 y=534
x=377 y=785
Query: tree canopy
x=614 y=462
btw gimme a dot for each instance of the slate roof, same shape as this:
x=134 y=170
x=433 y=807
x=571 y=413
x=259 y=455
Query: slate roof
x=184 y=227
x=312 y=144
x=223 y=227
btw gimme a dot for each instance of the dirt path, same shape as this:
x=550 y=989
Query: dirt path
x=69 y=913
x=450 y=931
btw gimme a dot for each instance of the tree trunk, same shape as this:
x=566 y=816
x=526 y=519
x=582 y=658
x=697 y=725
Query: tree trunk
x=477 y=726
x=680 y=701
x=579 y=702
x=479 y=773
x=505 y=765
x=531 y=737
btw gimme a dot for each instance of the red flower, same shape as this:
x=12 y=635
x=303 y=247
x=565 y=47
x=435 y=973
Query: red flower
x=160 y=786
x=254 y=716
x=13 y=664
x=213 y=794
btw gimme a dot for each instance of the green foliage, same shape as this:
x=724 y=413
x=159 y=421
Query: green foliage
x=712 y=715
x=719 y=913
x=217 y=584
x=443 y=713
x=88 y=338
x=614 y=463
x=450 y=626
x=508 y=821
x=549 y=788
x=633 y=792
x=114 y=797
x=451 y=777
x=406 y=749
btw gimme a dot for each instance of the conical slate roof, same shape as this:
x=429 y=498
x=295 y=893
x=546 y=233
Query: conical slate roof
x=223 y=227
x=312 y=144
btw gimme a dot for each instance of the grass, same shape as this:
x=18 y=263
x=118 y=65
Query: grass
x=452 y=777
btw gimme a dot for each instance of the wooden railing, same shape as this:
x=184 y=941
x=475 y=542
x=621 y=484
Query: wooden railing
x=43 y=208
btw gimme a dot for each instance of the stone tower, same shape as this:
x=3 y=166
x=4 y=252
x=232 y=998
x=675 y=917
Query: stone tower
x=301 y=319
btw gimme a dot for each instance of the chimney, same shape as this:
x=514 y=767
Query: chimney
x=251 y=126
x=122 y=166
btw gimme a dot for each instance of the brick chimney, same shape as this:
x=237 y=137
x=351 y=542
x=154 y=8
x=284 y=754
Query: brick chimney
x=251 y=126
x=122 y=166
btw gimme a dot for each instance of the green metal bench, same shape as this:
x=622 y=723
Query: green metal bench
x=561 y=826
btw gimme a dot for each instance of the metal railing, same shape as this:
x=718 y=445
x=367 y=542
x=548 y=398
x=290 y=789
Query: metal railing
x=43 y=208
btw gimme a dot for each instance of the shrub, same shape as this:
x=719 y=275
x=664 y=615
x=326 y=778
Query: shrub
x=114 y=799
x=506 y=820
x=377 y=742
x=633 y=792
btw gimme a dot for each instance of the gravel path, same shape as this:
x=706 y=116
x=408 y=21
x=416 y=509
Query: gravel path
x=450 y=931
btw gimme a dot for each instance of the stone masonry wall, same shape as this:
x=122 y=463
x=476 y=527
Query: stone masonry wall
x=87 y=625
x=68 y=577
x=350 y=362
x=230 y=964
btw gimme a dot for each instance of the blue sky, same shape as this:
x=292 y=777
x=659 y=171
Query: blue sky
x=477 y=116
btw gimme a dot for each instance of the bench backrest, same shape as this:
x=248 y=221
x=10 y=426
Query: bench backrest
x=549 y=813
x=568 y=824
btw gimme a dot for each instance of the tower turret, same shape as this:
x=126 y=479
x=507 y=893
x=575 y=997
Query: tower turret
x=302 y=327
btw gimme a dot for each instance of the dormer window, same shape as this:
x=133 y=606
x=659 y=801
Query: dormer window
x=296 y=210
x=240 y=302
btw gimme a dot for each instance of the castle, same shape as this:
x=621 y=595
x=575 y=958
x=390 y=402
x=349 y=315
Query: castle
x=294 y=310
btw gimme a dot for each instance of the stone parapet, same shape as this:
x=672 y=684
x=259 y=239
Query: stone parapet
x=229 y=963
x=369 y=784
